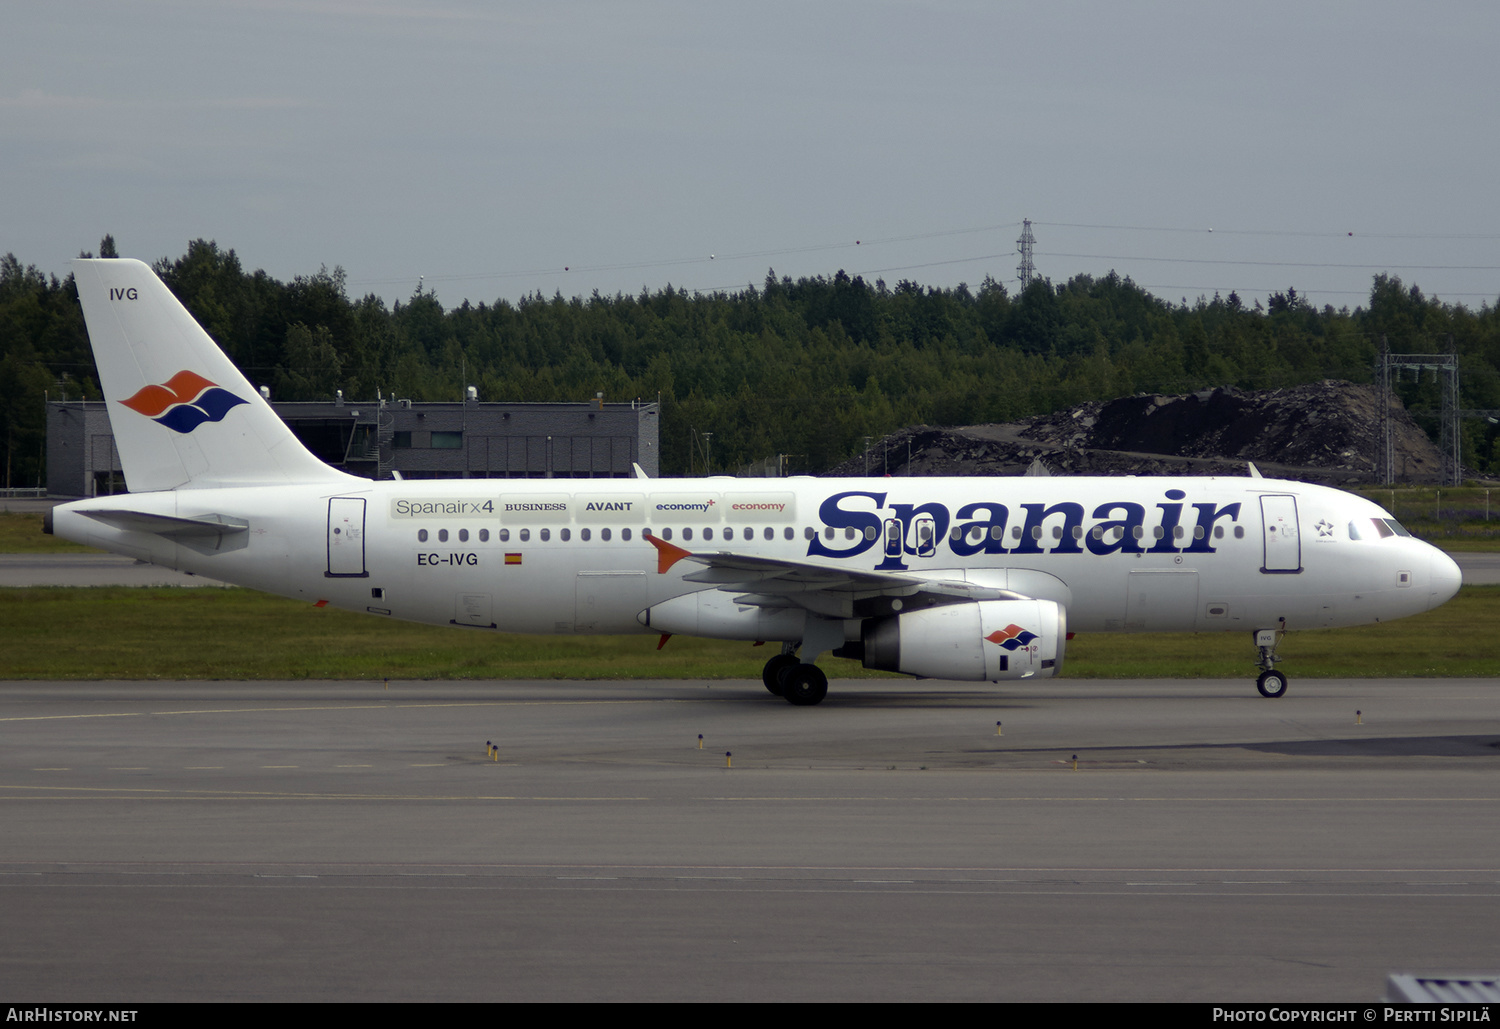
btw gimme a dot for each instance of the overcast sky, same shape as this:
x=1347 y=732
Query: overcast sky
x=499 y=149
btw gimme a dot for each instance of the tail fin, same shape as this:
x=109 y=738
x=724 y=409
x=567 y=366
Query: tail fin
x=182 y=414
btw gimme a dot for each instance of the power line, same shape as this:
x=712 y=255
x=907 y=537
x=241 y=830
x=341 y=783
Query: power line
x=1204 y=230
x=1279 y=264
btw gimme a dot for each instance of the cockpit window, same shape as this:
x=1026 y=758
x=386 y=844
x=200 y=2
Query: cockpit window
x=1373 y=529
x=1396 y=527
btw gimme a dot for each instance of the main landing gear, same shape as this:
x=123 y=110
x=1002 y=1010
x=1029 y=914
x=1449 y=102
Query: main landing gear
x=800 y=684
x=1271 y=682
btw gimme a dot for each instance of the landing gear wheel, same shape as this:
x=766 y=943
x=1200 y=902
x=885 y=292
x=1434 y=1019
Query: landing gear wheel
x=775 y=668
x=804 y=685
x=1271 y=684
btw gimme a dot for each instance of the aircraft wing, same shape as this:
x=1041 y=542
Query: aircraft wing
x=824 y=588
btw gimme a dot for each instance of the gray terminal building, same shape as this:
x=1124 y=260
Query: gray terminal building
x=382 y=439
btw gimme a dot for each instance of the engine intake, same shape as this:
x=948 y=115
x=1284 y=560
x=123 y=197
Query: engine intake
x=988 y=639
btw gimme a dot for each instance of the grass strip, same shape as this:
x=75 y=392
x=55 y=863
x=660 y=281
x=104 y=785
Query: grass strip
x=211 y=633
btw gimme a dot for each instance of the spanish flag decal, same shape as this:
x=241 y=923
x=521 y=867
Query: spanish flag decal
x=512 y=559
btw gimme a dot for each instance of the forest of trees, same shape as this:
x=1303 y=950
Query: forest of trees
x=806 y=368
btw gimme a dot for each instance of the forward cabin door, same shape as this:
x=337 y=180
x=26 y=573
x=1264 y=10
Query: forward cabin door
x=1283 y=542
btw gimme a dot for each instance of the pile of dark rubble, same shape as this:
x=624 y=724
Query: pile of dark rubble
x=1322 y=432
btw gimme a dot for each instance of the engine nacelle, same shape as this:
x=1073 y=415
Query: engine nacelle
x=989 y=639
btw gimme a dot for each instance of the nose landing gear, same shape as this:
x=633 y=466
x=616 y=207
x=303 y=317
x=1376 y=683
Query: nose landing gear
x=1271 y=683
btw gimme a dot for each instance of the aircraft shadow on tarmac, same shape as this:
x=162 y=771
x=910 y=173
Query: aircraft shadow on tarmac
x=1486 y=745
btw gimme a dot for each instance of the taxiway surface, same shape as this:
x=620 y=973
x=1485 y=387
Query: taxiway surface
x=310 y=841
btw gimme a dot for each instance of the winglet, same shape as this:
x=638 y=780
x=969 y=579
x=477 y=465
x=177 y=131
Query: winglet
x=667 y=555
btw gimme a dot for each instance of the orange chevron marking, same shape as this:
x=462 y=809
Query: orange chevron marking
x=667 y=555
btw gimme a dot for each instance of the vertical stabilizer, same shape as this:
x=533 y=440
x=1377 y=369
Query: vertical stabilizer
x=182 y=414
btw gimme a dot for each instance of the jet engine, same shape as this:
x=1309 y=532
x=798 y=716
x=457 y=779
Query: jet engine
x=987 y=639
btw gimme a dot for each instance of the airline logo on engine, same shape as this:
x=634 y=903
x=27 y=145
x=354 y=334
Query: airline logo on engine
x=1012 y=637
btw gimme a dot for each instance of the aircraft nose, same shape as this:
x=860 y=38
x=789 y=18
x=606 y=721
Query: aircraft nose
x=1446 y=577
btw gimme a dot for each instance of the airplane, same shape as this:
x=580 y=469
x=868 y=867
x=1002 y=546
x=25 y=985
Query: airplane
x=977 y=579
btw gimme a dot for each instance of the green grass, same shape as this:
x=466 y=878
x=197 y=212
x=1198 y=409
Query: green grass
x=209 y=633
x=21 y=533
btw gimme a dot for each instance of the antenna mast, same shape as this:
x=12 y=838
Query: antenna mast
x=1026 y=271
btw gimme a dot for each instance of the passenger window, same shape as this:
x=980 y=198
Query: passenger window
x=583 y=534
x=442 y=535
x=808 y=532
x=1057 y=532
x=848 y=532
x=545 y=535
x=1097 y=533
x=666 y=534
x=564 y=534
x=870 y=532
x=463 y=535
x=828 y=532
x=998 y=532
x=1078 y=532
x=421 y=535
x=1158 y=532
x=1015 y=532
x=484 y=535
x=790 y=533
x=1036 y=532
x=1137 y=531
x=1197 y=532
x=1218 y=532
x=687 y=534
x=708 y=534
x=625 y=533
x=1239 y=532
x=504 y=535
x=1177 y=532
x=645 y=533
x=770 y=533
x=525 y=535
x=604 y=535
x=729 y=533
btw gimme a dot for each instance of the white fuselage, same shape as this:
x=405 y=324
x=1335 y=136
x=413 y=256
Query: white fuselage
x=571 y=555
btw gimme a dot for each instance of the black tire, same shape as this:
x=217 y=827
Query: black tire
x=804 y=685
x=774 y=670
x=1271 y=684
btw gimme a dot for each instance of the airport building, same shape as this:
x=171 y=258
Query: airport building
x=381 y=439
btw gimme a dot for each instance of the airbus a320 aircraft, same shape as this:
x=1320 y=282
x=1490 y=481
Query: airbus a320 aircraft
x=948 y=578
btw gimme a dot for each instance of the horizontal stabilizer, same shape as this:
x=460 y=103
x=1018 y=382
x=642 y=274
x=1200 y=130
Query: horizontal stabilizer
x=170 y=526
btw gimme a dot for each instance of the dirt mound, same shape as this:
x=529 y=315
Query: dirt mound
x=1322 y=432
